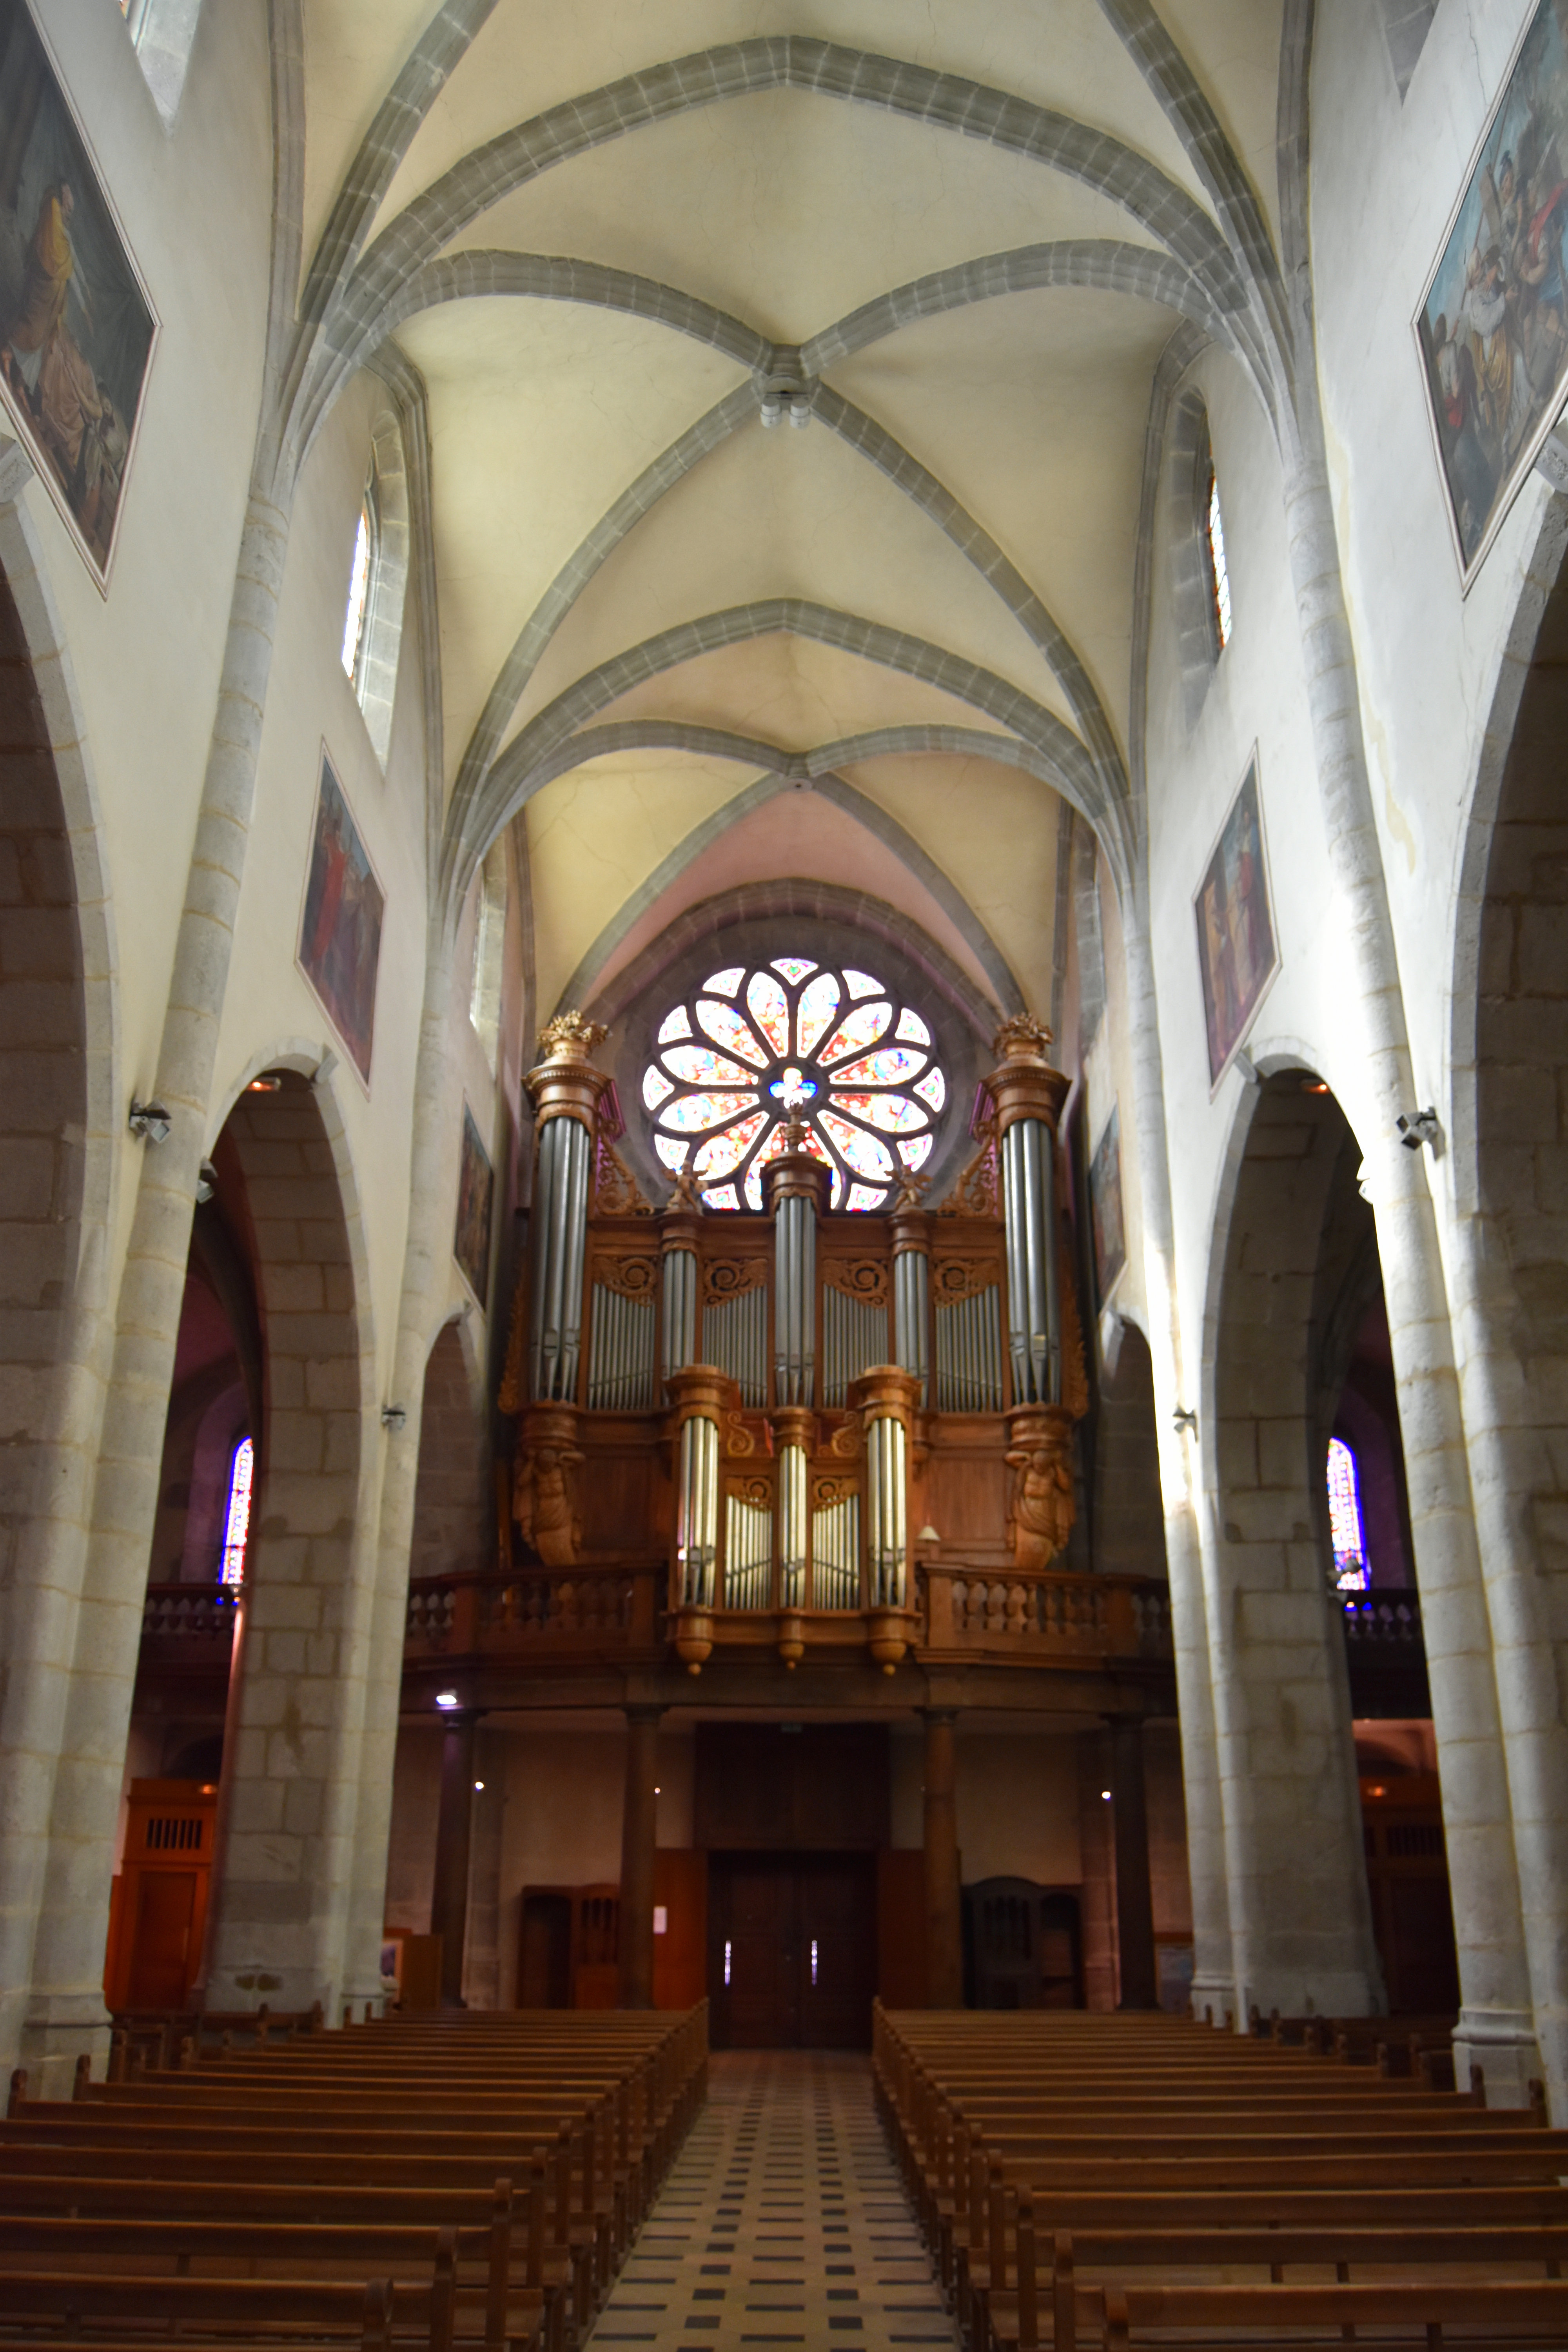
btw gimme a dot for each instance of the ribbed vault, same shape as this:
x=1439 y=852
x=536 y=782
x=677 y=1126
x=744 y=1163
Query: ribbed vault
x=599 y=249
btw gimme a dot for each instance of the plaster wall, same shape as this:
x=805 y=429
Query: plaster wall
x=1385 y=178
x=1018 y=1808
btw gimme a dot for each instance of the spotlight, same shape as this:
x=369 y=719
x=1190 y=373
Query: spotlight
x=207 y=1181
x=1183 y=1418
x=149 y=1122
x=446 y=1698
x=478 y=1787
x=392 y=1417
x=269 y=1085
x=1105 y=1794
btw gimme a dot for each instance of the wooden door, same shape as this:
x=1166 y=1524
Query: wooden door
x=837 y=1949
x=792 y=1950
x=1407 y=1880
x=162 y=1961
x=544 y=1952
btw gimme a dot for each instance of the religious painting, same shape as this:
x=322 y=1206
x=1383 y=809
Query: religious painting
x=471 y=1240
x=1492 y=328
x=1236 y=954
x=77 y=327
x=339 y=933
x=1105 y=1207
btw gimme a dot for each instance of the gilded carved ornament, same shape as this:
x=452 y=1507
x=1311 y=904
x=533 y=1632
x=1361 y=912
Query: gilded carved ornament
x=570 y=1038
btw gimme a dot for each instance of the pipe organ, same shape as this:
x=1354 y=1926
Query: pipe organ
x=786 y=1407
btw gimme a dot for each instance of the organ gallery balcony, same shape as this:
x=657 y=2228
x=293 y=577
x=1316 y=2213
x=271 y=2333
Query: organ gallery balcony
x=627 y=1619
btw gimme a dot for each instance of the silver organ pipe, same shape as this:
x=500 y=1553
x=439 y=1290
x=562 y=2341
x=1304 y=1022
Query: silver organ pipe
x=794 y=1531
x=912 y=1315
x=735 y=1338
x=748 y=1553
x=854 y=1338
x=559 y=1239
x=621 y=1353
x=678 y=1337
x=697 y=1516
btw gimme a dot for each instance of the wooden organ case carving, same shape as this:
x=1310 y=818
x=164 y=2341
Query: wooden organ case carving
x=806 y=1433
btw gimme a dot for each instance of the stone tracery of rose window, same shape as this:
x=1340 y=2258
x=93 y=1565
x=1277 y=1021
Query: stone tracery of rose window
x=828 y=1041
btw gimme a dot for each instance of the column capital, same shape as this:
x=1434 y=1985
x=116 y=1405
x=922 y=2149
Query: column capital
x=565 y=1084
x=1025 y=1085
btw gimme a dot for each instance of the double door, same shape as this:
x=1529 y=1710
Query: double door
x=792 y=1960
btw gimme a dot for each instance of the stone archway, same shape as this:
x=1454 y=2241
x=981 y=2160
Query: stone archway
x=282 y=1925
x=57 y=1142
x=1510 y=1172
x=1300 y=1913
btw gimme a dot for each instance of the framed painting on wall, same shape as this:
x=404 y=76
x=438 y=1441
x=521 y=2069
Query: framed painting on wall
x=340 y=929
x=1105 y=1207
x=77 y=323
x=1236 y=954
x=476 y=1182
x=1492 y=324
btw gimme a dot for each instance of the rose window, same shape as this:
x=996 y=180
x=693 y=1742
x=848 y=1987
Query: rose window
x=829 y=1044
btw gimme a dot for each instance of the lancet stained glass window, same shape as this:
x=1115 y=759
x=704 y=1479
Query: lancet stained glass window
x=1350 y=1573
x=237 y=1520
x=830 y=1042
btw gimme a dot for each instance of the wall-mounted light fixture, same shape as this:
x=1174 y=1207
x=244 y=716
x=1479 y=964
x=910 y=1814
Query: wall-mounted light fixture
x=149 y=1122
x=269 y=1083
x=1185 y=1420
x=206 y=1182
x=392 y=1417
x=1418 y=1127
x=447 y=1699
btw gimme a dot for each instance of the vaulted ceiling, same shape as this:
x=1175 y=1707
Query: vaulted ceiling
x=612 y=237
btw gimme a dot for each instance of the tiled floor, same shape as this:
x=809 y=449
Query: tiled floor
x=783 y=2221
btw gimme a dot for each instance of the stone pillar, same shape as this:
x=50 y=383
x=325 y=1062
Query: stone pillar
x=944 y=1924
x=639 y=1818
x=1495 y=2024
x=454 y=1835
x=1134 y=1894
x=66 y=1790
x=1214 y=1970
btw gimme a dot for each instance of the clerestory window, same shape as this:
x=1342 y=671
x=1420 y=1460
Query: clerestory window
x=1218 y=575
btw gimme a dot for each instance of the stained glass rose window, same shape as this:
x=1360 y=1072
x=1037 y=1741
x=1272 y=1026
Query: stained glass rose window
x=751 y=1045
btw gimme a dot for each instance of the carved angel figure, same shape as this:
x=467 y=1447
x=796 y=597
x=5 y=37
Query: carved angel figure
x=1043 y=1506
x=543 y=1506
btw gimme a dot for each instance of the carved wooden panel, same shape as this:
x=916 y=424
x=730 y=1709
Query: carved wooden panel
x=761 y=1787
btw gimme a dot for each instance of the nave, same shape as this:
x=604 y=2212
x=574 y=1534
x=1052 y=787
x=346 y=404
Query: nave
x=783 y=2221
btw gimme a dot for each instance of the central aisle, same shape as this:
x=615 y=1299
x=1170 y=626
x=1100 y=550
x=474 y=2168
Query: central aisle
x=783 y=2221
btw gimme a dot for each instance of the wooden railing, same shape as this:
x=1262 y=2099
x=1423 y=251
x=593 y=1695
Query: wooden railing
x=1044 y=1620
x=545 y=1611
x=1043 y=1617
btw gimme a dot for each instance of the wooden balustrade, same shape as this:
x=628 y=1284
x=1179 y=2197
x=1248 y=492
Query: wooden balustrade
x=961 y=1614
